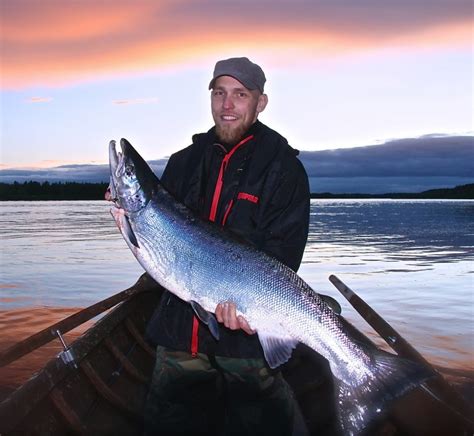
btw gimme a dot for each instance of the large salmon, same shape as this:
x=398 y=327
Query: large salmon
x=204 y=265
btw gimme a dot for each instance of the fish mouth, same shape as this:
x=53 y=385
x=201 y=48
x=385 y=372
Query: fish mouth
x=114 y=163
x=116 y=160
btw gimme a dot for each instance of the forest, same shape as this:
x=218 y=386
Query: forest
x=31 y=191
x=52 y=191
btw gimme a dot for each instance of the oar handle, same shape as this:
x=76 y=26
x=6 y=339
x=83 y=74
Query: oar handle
x=403 y=348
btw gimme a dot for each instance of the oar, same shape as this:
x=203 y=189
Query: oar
x=443 y=390
x=46 y=335
x=382 y=327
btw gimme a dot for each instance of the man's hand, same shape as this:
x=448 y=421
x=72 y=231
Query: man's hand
x=108 y=194
x=226 y=313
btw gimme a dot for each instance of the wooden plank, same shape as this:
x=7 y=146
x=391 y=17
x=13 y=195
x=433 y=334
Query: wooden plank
x=69 y=416
x=139 y=338
x=48 y=334
x=107 y=393
x=125 y=362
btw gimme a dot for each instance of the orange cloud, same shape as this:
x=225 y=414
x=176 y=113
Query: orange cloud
x=40 y=99
x=53 y=42
x=36 y=23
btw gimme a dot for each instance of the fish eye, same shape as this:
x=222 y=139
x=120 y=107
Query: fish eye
x=129 y=170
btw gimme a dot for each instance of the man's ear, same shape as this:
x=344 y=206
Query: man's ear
x=262 y=102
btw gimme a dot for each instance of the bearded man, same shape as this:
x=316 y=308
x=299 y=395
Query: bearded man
x=243 y=176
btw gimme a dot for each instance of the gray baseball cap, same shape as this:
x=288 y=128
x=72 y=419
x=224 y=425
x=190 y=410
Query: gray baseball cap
x=242 y=69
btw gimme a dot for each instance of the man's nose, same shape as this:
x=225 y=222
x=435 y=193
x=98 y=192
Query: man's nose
x=228 y=102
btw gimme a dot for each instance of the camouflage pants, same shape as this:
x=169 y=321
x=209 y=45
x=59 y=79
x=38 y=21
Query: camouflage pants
x=216 y=396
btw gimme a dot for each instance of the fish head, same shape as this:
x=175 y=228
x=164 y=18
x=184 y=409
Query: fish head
x=132 y=181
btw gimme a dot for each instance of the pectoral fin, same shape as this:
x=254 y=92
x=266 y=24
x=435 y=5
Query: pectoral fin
x=276 y=350
x=128 y=232
x=207 y=318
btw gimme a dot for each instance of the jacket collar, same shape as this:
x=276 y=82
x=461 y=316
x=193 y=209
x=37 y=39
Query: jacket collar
x=254 y=129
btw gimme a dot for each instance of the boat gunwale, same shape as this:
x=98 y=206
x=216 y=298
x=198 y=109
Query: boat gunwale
x=25 y=398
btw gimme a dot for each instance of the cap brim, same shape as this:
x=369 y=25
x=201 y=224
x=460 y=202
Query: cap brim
x=249 y=86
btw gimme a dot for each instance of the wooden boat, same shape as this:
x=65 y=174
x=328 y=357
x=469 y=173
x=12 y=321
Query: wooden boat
x=99 y=384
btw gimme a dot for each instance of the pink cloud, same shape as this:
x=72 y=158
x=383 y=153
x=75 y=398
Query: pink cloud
x=40 y=99
x=53 y=42
x=136 y=101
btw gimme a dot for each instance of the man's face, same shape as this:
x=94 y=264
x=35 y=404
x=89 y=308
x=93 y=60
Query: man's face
x=234 y=108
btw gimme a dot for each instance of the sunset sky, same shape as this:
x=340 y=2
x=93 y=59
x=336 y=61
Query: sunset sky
x=340 y=73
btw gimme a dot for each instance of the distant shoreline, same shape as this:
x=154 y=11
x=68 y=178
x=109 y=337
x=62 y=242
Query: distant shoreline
x=462 y=192
x=35 y=191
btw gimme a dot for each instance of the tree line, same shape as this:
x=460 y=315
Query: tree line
x=52 y=191
x=31 y=191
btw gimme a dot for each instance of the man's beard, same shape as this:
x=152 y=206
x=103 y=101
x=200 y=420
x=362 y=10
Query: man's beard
x=231 y=135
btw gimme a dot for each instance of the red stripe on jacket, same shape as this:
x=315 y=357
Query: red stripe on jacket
x=212 y=217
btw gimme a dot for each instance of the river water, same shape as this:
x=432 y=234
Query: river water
x=411 y=260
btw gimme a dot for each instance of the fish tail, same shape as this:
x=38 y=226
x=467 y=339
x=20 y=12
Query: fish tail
x=360 y=407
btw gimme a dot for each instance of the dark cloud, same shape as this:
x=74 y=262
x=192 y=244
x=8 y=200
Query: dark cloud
x=416 y=157
x=402 y=165
x=66 y=173
x=69 y=173
x=366 y=17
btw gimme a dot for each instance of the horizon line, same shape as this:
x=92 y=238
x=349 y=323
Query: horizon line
x=68 y=163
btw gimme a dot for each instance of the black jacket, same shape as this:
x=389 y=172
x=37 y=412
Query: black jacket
x=263 y=198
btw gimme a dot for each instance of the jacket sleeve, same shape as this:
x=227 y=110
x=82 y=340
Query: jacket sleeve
x=172 y=178
x=182 y=174
x=284 y=219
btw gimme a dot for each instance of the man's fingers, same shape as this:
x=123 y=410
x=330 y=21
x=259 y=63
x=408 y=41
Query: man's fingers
x=108 y=194
x=244 y=325
x=219 y=311
x=226 y=313
x=230 y=316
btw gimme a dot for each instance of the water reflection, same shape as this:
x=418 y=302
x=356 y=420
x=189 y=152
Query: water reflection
x=424 y=231
x=63 y=253
x=411 y=260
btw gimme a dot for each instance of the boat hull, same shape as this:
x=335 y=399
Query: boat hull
x=103 y=391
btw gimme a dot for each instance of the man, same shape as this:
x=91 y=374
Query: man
x=245 y=177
